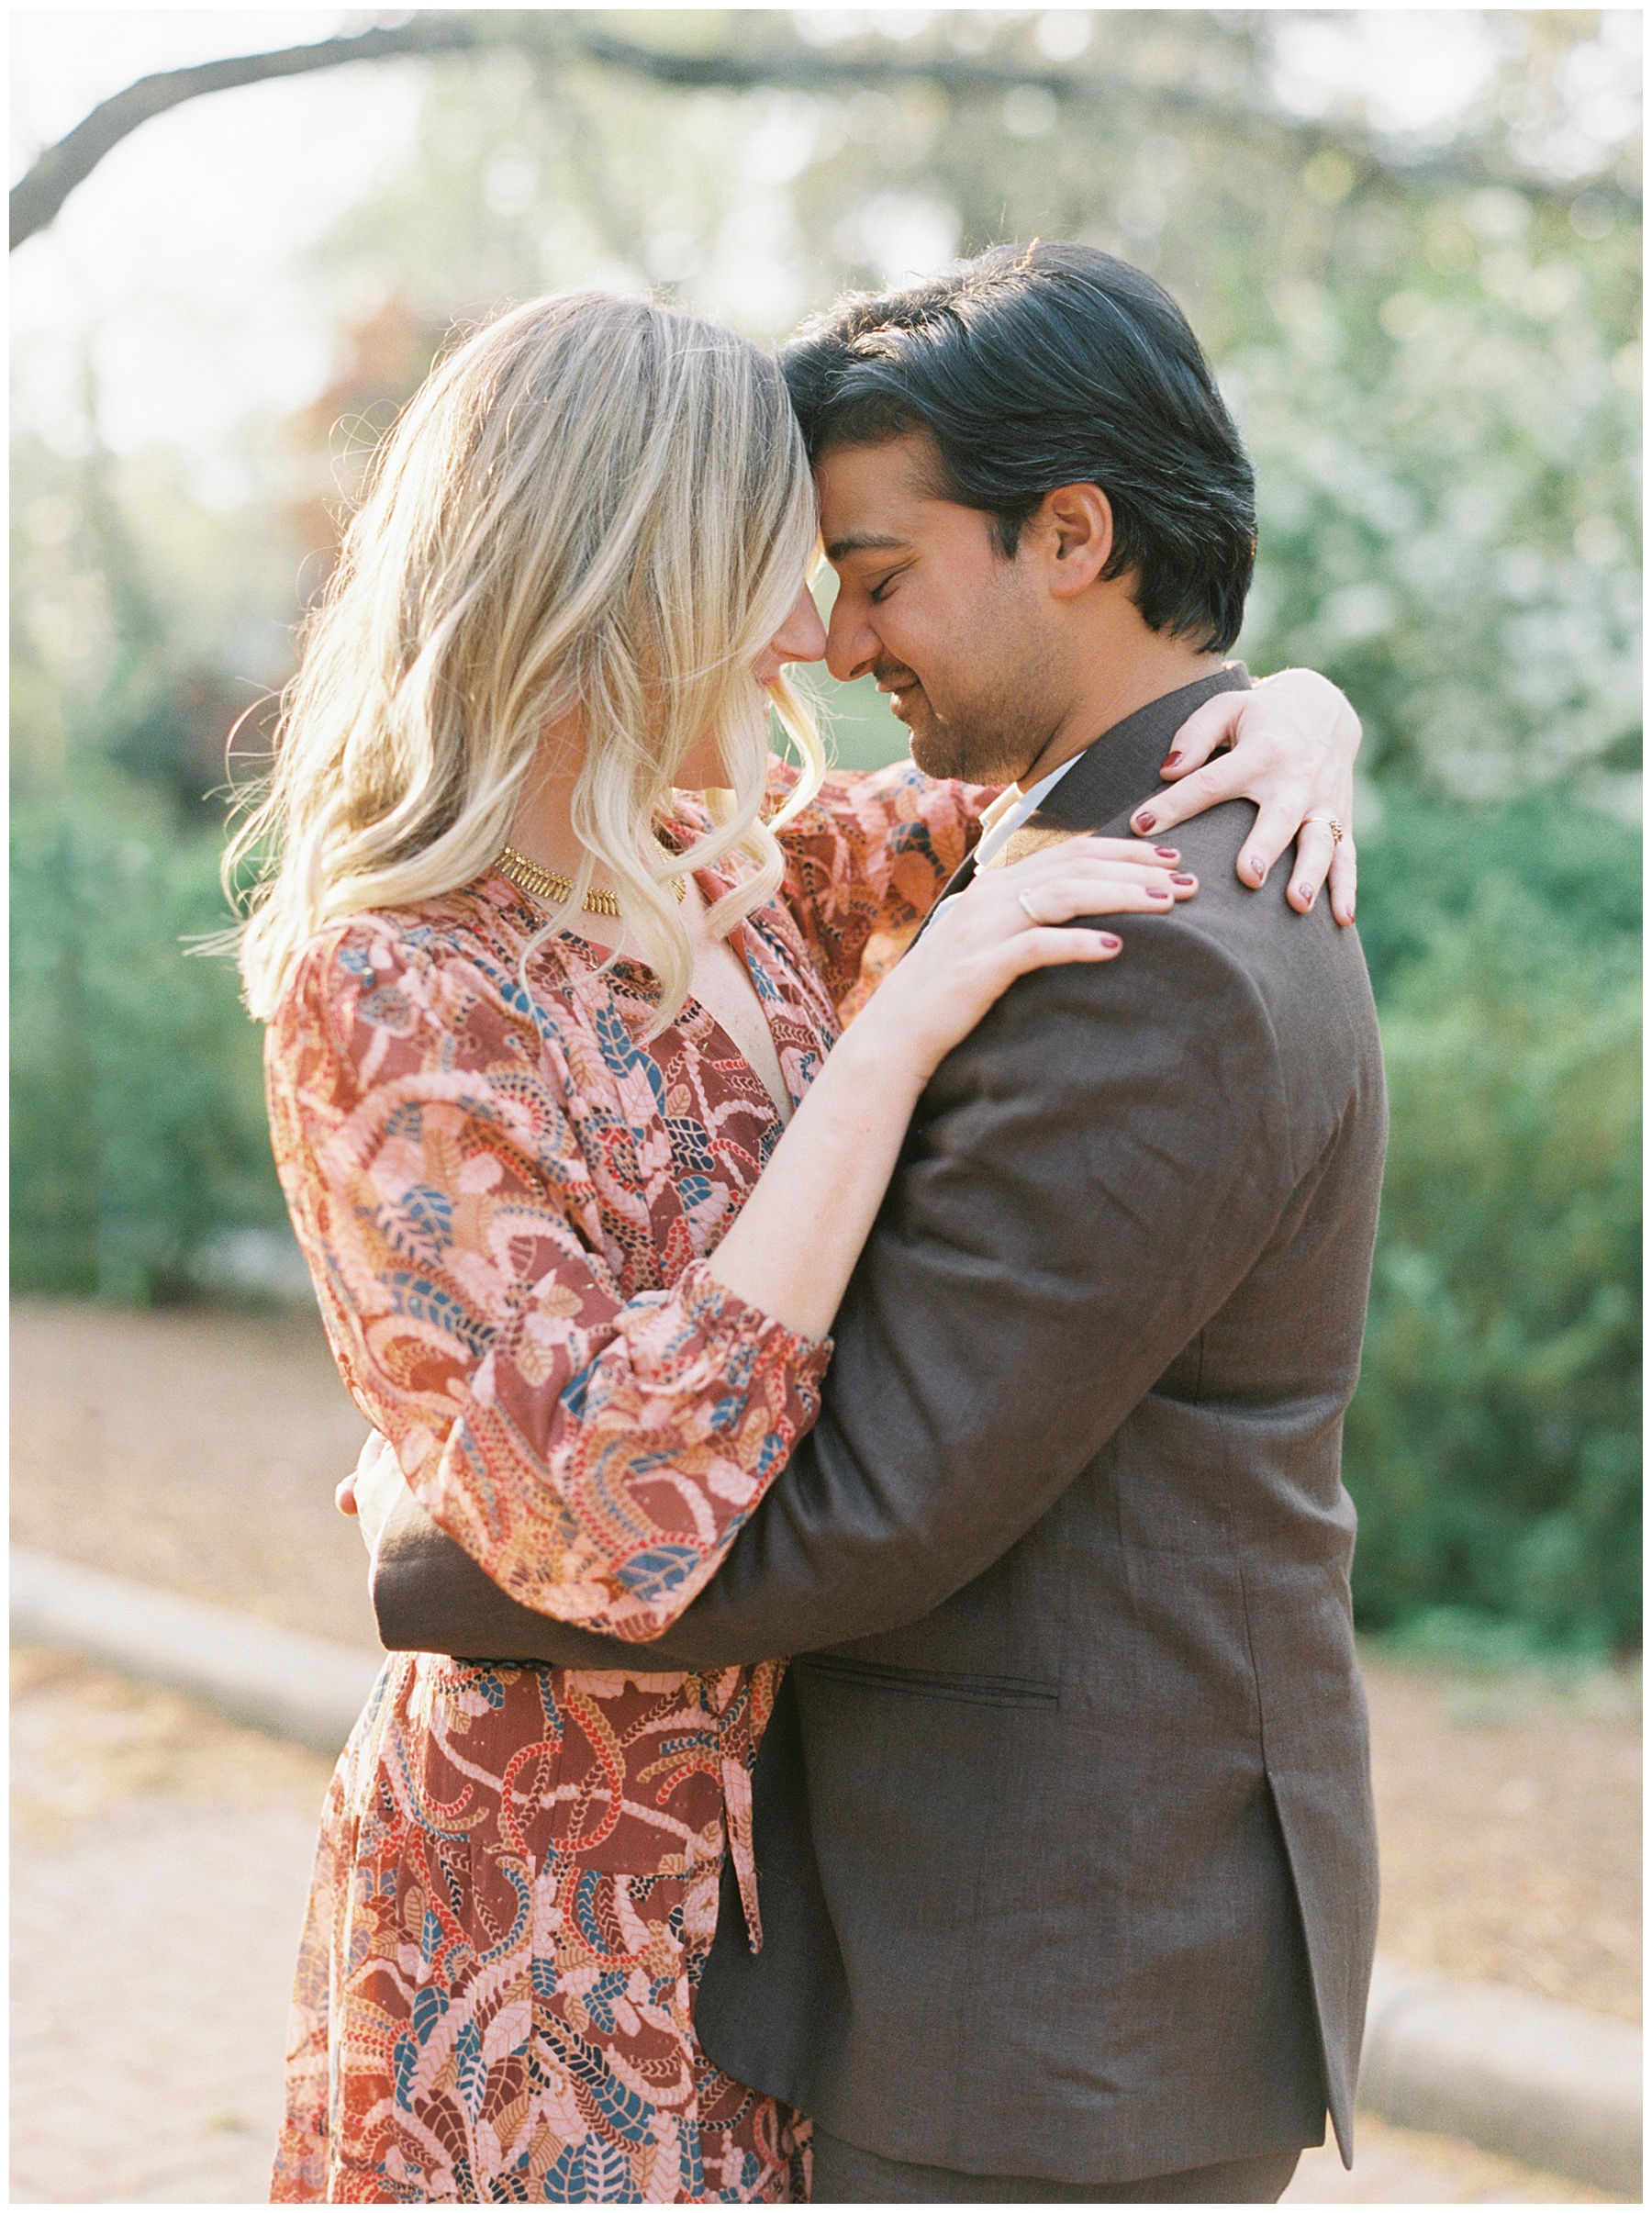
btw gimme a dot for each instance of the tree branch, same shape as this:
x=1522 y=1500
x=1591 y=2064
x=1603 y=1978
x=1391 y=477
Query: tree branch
x=37 y=197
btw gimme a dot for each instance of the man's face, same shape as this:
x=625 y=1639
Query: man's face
x=929 y=605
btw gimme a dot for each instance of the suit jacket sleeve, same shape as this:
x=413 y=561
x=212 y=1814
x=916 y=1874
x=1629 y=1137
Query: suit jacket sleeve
x=1087 y=1180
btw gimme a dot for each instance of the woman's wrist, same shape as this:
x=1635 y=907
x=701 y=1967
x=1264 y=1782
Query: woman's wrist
x=879 y=1049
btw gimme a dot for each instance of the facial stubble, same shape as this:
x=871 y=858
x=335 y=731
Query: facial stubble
x=993 y=733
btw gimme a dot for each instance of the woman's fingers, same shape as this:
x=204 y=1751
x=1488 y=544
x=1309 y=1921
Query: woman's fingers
x=1119 y=889
x=1214 y=724
x=1290 y=809
x=1135 y=850
x=1030 y=949
x=1314 y=850
x=367 y=1460
x=1292 y=745
x=1275 y=824
x=1319 y=853
x=1345 y=880
x=1084 y=851
x=1013 y=918
x=1083 y=876
x=1226 y=777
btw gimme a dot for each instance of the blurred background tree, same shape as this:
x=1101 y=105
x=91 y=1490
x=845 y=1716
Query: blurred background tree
x=1410 y=243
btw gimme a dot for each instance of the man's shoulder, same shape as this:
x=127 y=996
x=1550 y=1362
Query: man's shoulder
x=1254 y=929
x=1234 y=1000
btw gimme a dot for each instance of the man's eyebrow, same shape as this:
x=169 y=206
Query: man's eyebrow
x=864 y=542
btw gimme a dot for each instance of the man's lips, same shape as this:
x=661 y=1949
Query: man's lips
x=897 y=684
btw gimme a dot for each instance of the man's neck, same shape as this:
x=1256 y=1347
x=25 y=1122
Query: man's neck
x=1122 y=674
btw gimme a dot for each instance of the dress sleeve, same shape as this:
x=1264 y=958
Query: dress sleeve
x=594 y=1455
x=865 y=861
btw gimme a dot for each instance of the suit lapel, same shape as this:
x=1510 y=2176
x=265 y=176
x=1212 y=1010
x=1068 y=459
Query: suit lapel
x=961 y=876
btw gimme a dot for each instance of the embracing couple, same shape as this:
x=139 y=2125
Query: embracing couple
x=856 y=1277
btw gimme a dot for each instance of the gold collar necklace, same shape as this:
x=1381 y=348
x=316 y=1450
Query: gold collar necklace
x=556 y=890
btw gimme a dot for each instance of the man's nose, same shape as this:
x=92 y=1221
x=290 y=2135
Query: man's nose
x=853 y=646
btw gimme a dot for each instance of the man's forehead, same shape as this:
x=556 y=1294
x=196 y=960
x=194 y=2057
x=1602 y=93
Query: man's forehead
x=873 y=497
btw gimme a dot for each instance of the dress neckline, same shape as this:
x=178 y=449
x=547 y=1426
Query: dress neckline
x=624 y=966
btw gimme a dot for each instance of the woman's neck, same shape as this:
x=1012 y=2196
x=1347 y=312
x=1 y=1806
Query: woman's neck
x=542 y=826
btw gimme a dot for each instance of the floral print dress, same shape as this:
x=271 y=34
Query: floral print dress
x=506 y=1199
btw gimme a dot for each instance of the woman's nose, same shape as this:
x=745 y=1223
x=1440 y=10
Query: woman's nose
x=803 y=636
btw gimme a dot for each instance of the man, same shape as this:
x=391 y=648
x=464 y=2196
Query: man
x=1062 y=1823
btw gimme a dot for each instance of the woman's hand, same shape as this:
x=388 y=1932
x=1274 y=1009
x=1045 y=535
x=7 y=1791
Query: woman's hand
x=371 y=1488
x=1293 y=741
x=1006 y=924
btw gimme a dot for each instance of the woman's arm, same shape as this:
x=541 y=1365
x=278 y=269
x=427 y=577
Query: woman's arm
x=866 y=860
x=870 y=855
x=595 y=1454
x=798 y=1238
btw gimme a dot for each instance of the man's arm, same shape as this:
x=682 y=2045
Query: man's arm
x=1088 y=1179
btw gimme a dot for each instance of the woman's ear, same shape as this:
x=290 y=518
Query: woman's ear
x=1075 y=527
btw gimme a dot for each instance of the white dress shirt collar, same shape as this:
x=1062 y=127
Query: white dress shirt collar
x=1011 y=807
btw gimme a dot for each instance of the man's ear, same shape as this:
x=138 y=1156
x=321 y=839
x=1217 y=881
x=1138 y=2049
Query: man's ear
x=1073 y=525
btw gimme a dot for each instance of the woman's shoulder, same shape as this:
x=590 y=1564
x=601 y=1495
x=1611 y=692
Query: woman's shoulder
x=425 y=961
x=856 y=809
x=846 y=790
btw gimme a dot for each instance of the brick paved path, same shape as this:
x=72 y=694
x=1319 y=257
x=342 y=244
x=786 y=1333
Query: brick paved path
x=159 y=1865
x=1394 y=2167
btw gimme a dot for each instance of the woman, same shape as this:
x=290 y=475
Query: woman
x=579 y=1218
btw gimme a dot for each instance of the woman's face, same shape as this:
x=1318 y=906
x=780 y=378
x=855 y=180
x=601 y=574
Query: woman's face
x=801 y=637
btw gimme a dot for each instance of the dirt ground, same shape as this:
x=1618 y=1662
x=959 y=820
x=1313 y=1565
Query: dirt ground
x=199 y=1451
x=195 y=1450
x=1509 y=1814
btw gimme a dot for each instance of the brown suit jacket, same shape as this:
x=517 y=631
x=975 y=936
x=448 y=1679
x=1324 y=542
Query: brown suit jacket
x=1063 y=1826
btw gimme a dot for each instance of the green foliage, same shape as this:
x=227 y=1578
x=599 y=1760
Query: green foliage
x=1424 y=864
x=1493 y=1447
x=1447 y=526
x=139 y=1137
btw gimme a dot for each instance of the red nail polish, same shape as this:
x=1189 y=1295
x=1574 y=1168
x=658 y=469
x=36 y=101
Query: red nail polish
x=1167 y=853
x=1111 y=942
x=1144 y=822
x=1170 y=760
x=1184 y=879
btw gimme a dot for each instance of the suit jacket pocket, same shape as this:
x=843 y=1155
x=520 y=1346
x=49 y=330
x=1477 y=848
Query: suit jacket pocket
x=931 y=1682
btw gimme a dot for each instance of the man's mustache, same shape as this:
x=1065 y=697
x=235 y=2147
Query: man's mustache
x=892 y=676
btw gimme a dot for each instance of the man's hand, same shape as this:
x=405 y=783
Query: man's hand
x=371 y=1488
x=1290 y=742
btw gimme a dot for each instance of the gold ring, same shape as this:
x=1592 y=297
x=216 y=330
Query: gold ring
x=1332 y=824
x=1037 y=920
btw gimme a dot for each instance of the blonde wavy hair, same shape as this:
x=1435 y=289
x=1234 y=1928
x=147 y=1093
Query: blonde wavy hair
x=595 y=504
